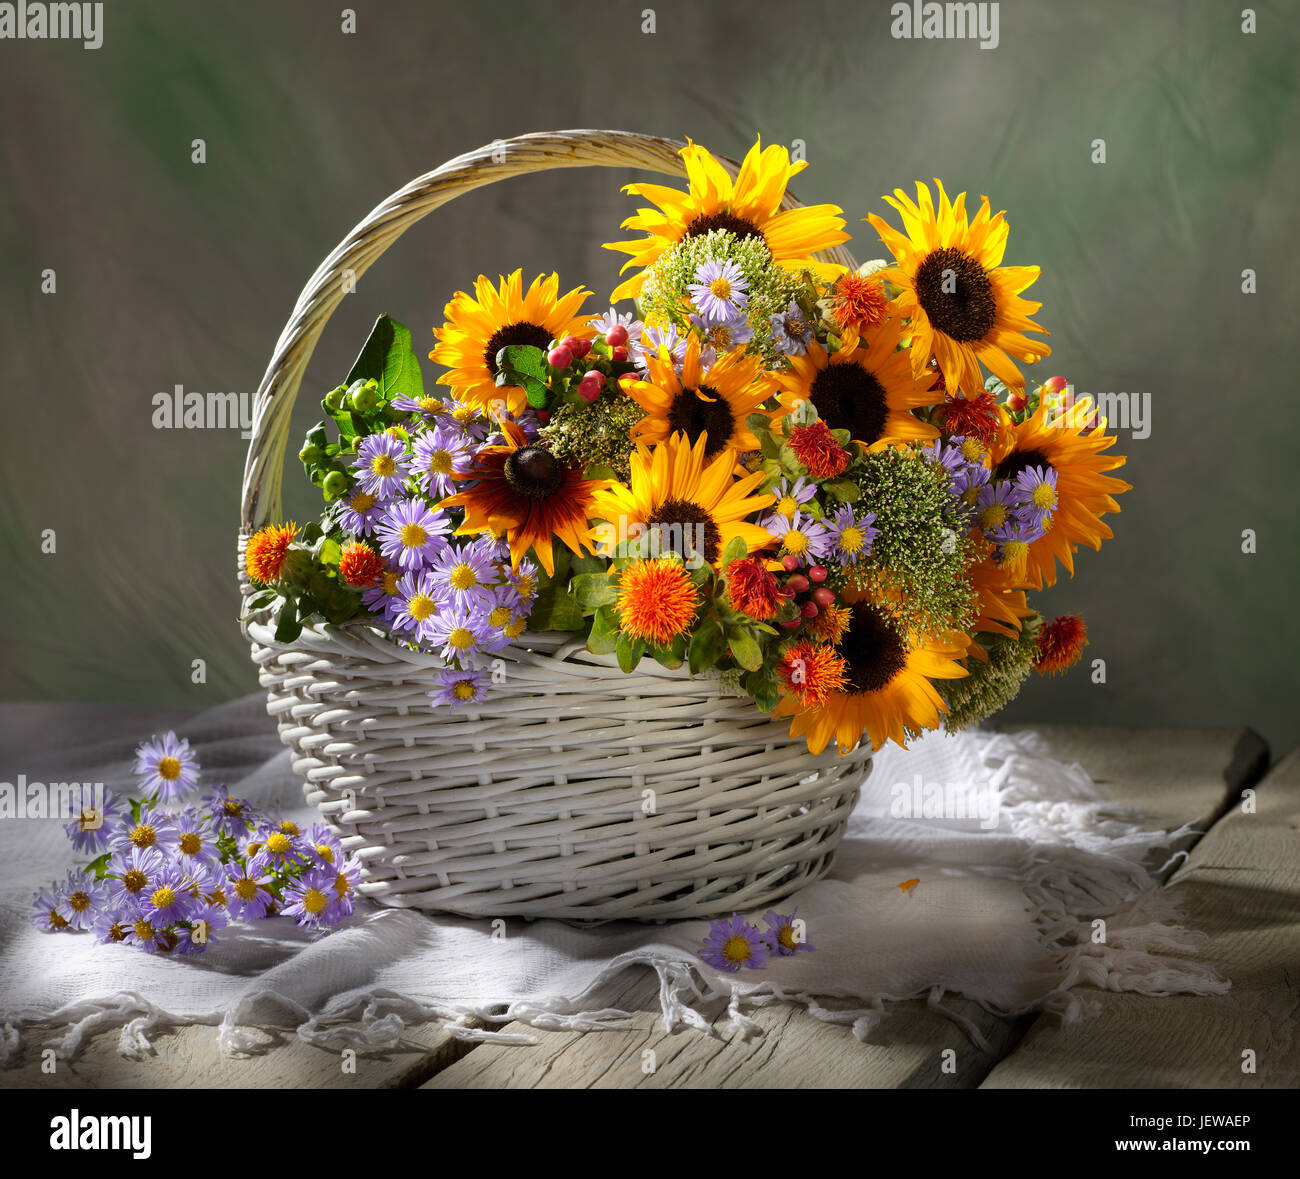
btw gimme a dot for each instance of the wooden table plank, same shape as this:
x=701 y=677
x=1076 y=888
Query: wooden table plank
x=1241 y=886
x=1177 y=776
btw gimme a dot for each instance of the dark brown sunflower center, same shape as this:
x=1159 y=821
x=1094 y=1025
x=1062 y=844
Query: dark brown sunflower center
x=1020 y=460
x=956 y=295
x=847 y=397
x=533 y=472
x=683 y=527
x=707 y=222
x=693 y=414
x=513 y=333
x=872 y=649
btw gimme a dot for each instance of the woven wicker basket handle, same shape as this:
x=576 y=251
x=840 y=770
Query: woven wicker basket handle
x=378 y=230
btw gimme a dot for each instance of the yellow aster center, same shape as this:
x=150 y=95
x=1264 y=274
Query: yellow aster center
x=795 y=326
x=414 y=536
x=278 y=843
x=342 y=885
x=421 y=606
x=440 y=463
x=787 y=506
x=460 y=638
x=162 y=897
x=464 y=414
x=719 y=335
x=143 y=930
x=289 y=827
x=143 y=835
x=232 y=806
x=79 y=901
x=994 y=516
x=389 y=584
x=972 y=450
x=117 y=932
x=463 y=577
x=720 y=288
x=851 y=539
x=516 y=628
x=134 y=880
x=463 y=690
x=169 y=769
x=325 y=852
x=430 y=404
x=786 y=937
x=383 y=465
x=737 y=949
x=245 y=889
x=361 y=501
x=526 y=586
x=795 y=542
x=1044 y=496
x=191 y=843
x=314 y=901
x=1014 y=552
x=970 y=495
x=57 y=920
x=500 y=617
x=217 y=897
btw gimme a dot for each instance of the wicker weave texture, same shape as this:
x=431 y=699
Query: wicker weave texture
x=572 y=791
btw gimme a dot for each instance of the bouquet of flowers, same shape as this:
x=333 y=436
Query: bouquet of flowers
x=769 y=468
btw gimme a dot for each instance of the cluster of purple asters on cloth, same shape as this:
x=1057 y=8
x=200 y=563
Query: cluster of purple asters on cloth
x=172 y=872
x=733 y=943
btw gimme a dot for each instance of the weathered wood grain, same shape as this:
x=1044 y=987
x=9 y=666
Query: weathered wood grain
x=1241 y=886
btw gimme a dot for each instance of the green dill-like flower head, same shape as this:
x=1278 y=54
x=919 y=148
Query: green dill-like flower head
x=597 y=432
x=991 y=684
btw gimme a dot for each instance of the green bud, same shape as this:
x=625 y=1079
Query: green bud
x=335 y=485
x=365 y=399
x=334 y=399
x=310 y=455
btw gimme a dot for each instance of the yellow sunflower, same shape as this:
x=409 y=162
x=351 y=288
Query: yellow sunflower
x=868 y=389
x=749 y=206
x=698 y=403
x=1056 y=441
x=964 y=305
x=887 y=693
x=478 y=326
x=526 y=494
x=690 y=502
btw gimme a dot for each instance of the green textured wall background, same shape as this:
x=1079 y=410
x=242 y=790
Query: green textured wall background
x=174 y=273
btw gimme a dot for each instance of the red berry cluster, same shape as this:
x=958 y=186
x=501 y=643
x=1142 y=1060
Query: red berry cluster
x=565 y=353
x=798 y=584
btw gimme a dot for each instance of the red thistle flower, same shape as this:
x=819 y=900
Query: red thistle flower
x=858 y=302
x=360 y=565
x=1060 y=643
x=976 y=417
x=267 y=551
x=811 y=671
x=815 y=446
x=752 y=590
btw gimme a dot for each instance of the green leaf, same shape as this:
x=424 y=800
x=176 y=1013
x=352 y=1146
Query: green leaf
x=604 y=632
x=523 y=358
x=671 y=656
x=708 y=645
x=260 y=600
x=594 y=589
x=599 y=471
x=735 y=550
x=843 y=489
x=556 y=609
x=288 y=628
x=387 y=357
x=629 y=652
x=759 y=685
x=537 y=391
x=329 y=552
x=584 y=563
x=99 y=865
x=744 y=650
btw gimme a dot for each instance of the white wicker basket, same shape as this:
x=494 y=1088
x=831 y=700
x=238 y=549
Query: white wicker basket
x=573 y=791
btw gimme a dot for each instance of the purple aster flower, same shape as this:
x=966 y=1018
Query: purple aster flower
x=657 y=340
x=465 y=573
x=196 y=841
x=969 y=482
x=111 y=926
x=418 y=600
x=719 y=291
x=346 y=880
x=460 y=687
x=522 y=579
x=247 y=895
x=90 y=830
x=732 y=943
x=84 y=898
x=312 y=901
x=360 y=512
x=627 y=320
x=791 y=496
x=721 y=337
x=424 y=405
x=167 y=768
x=324 y=844
x=230 y=816
x=411 y=533
x=1035 y=488
x=205 y=920
x=784 y=936
x=851 y=538
x=460 y=629
x=169 y=898
x=50 y=909
x=791 y=332
x=147 y=934
x=437 y=455
x=505 y=615
x=382 y=598
x=993 y=506
x=382 y=465
x=277 y=844
x=131 y=874
x=800 y=534
x=467 y=419
x=154 y=828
